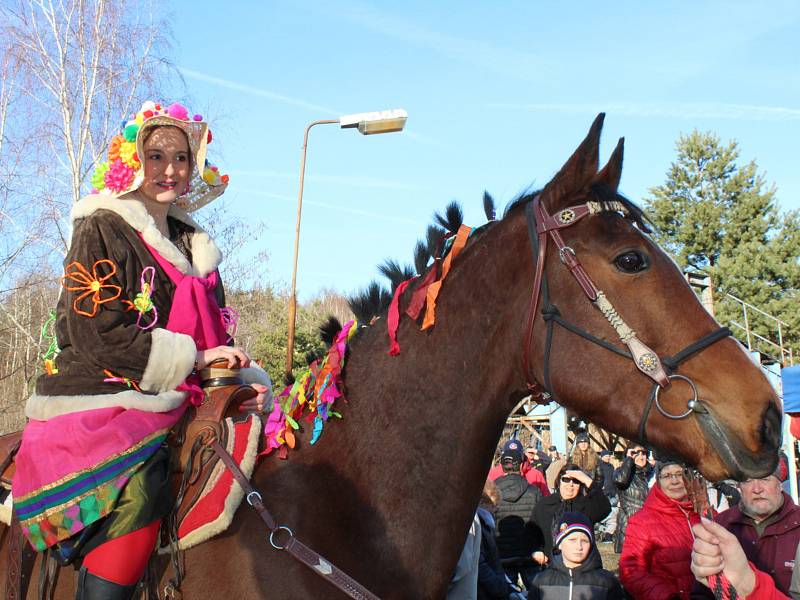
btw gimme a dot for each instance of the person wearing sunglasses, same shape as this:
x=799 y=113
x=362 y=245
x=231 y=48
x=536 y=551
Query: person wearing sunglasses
x=656 y=555
x=575 y=492
x=631 y=481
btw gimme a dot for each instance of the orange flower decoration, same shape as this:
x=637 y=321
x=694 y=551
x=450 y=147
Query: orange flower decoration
x=114 y=147
x=90 y=284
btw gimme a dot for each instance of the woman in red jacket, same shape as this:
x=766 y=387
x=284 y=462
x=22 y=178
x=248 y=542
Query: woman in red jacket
x=656 y=556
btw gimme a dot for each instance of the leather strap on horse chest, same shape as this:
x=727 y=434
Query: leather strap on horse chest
x=314 y=561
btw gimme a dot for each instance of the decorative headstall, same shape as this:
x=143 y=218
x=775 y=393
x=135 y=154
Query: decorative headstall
x=542 y=227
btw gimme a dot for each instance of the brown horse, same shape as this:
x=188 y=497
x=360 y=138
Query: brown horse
x=388 y=492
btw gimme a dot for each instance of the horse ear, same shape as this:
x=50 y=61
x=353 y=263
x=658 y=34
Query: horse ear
x=612 y=172
x=579 y=170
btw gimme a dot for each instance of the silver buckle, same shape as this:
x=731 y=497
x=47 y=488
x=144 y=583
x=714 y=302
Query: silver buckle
x=276 y=530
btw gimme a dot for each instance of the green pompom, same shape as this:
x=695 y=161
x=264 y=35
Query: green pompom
x=130 y=132
x=98 y=178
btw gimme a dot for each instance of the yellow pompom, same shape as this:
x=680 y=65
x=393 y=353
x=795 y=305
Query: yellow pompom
x=139 y=118
x=127 y=153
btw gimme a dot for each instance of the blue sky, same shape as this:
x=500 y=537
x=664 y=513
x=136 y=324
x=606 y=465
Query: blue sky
x=498 y=95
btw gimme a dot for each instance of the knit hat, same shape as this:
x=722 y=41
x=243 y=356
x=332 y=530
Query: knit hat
x=512 y=450
x=663 y=460
x=581 y=437
x=604 y=453
x=570 y=523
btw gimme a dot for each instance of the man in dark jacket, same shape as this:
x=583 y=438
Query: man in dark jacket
x=767 y=524
x=517 y=534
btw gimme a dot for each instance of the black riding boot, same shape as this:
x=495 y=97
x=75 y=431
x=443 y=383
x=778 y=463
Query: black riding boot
x=92 y=587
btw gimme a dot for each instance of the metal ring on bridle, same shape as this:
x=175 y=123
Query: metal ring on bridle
x=276 y=530
x=692 y=403
x=257 y=495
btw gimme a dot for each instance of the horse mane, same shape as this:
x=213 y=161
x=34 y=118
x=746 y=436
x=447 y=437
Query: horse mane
x=373 y=301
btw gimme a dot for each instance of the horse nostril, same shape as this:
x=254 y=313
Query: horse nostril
x=771 y=428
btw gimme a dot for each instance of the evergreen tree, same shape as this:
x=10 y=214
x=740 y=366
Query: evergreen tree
x=719 y=217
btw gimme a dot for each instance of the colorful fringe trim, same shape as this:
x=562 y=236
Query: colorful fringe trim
x=311 y=398
x=63 y=508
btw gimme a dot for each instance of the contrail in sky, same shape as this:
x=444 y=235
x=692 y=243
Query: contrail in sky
x=241 y=87
x=341 y=209
x=678 y=110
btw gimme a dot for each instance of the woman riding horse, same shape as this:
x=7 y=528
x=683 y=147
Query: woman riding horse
x=139 y=316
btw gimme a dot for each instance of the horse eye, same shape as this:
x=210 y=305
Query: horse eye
x=631 y=262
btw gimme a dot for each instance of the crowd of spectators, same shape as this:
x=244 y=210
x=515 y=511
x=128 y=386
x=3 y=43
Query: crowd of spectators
x=543 y=514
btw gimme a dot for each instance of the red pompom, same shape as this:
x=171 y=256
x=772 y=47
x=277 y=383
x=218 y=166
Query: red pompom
x=225 y=179
x=147 y=114
x=208 y=138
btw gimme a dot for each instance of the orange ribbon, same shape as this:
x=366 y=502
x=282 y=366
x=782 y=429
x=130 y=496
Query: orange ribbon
x=433 y=289
x=90 y=284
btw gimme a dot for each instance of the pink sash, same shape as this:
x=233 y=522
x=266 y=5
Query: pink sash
x=194 y=312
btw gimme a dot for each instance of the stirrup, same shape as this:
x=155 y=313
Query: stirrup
x=92 y=587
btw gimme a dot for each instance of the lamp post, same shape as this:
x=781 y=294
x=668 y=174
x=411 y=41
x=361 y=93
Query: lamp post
x=369 y=123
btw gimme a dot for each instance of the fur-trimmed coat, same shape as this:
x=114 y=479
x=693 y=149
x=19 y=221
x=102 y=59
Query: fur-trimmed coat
x=115 y=393
x=157 y=359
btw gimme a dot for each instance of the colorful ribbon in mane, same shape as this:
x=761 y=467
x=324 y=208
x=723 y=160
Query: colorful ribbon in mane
x=426 y=293
x=311 y=397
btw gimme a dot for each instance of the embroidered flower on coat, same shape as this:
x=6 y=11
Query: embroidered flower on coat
x=91 y=285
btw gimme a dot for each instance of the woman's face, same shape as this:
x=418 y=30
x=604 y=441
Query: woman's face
x=671 y=481
x=568 y=487
x=166 y=165
x=574 y=549
x=639 y=456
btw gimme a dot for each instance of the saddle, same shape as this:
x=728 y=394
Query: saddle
x=196 y=468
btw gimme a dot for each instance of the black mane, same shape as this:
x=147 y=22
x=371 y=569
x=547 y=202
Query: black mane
x=373 y=301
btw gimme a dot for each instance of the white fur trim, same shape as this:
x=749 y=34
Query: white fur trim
x=43 y=408
x=255 y=374
x=5 y=509
x=172 y=356
x=205 y=254
x=236 y=494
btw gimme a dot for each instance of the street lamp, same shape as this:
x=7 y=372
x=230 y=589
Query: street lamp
x=369 y=123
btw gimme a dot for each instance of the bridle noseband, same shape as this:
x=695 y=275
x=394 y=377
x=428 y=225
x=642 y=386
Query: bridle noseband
x=541 y=228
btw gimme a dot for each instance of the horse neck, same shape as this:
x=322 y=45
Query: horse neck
x=424 y=424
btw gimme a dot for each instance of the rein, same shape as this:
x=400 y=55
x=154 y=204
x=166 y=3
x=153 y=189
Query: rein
x=311 y=559
x=543 y=227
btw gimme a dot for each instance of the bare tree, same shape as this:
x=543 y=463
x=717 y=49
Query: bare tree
x=70 y=71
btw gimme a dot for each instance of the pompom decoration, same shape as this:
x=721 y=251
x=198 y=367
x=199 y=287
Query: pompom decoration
x=130 y=132
x=178 y=111
x=98 y=178
x=127 y=153
x=123 y=169
x=113 y=147
x=119 y=176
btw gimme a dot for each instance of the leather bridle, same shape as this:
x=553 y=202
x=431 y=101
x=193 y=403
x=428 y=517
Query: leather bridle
x=543 y=227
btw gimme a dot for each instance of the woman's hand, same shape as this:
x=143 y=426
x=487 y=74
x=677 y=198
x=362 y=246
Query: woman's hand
x=580 y=476
x=260 y=403
x=716 y=550
x=234 y=356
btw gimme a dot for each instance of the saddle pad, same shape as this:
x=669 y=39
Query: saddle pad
x=221 y=496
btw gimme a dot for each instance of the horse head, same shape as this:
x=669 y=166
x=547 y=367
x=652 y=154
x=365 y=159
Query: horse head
x=709 y=403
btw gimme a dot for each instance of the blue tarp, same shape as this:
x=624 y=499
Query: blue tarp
x=790 y=380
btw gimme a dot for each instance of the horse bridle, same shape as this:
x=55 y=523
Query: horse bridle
x=541 y=227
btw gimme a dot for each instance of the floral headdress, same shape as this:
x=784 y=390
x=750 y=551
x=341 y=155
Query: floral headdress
x=123 y=171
